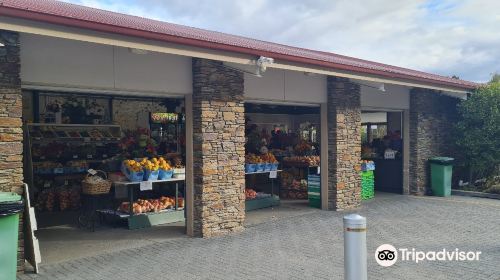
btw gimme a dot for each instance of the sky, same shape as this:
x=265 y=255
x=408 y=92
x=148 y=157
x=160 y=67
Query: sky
x=460 y=38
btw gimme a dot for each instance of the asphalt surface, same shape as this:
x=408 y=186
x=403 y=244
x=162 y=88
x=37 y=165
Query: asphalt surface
x=310 y=246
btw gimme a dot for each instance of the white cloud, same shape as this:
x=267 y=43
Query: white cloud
x=444 y=37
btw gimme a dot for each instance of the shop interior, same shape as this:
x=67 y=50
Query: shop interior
x=382 y=143
x=82 y=155
x=85 y=167
x=282 y=155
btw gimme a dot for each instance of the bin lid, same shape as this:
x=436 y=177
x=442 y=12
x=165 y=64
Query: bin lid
x=448 y=160
x=9 y=196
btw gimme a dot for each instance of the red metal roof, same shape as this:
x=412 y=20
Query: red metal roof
x=106 y=21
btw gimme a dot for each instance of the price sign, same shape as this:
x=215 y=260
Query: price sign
x=146 y=186
x=75 y=156
x=273 y=174
x=319 y=170
x=92 y=172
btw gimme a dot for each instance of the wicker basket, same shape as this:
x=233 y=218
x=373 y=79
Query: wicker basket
x=102 y=187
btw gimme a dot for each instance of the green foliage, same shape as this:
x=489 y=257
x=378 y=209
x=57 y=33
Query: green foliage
x=478 y=130
x=495 y=78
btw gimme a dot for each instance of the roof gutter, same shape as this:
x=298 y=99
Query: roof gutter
x=71 y=22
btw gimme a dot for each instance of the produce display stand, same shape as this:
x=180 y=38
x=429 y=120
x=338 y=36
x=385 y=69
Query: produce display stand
x=264 y=202
x=145 y=220
x=74 y=135
x=307 y=171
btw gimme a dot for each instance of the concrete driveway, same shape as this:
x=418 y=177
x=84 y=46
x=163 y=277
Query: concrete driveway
x=309 y=245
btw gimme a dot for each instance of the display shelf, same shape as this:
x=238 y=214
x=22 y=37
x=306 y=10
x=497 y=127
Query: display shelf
x=128 y=183
x=62 y=143
x=145 y=220
x=292 y=189
x=75 y=140
x=263 y=202
x=298 y=164
x=262 y=172
x=60 y=174
x=123 y=215
x=259 y=203
x=71 y=159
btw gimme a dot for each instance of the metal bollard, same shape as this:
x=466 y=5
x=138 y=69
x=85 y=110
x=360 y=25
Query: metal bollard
x=355 y=267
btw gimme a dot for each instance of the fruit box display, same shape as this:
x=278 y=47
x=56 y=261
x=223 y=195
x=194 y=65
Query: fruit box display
x=302 y=161
x=63 y=198
x=151 y=169
x=157 y=168
x=132 y=170
x=151 y=205
x=264 y=162
x=367 y=165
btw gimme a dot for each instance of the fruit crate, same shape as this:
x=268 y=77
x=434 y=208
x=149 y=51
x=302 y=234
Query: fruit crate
x=367 y=185
x=314 y=190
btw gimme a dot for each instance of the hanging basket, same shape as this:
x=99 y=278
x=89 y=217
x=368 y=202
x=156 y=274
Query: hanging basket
x=96 y=186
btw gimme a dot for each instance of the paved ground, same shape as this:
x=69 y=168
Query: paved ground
x=310 y=246
x=68 y=242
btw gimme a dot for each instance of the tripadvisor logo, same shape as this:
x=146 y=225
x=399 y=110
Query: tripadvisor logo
x=387 y=255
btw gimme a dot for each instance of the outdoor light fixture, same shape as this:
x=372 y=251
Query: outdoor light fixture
x=2 y=45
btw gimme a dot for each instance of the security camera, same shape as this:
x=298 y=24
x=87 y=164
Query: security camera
x=262 y=64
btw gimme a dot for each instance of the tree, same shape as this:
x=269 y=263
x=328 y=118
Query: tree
x=478 y=130
x=495 y=78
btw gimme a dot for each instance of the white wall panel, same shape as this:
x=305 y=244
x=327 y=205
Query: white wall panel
x=152 y=72
x=67 y=63
x=64 y=62
x=395 y=97
x=282 y=85
x=303 y=88
x=271 y=86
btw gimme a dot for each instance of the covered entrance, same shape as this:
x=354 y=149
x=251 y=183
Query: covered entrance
x=382 y=143
x=282 y=155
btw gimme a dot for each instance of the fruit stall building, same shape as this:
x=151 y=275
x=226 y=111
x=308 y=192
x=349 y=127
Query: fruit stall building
x=56 y=50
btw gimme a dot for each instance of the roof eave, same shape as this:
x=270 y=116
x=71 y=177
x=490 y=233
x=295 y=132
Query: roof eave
x=71 y=22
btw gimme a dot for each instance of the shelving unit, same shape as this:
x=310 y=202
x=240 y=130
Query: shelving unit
x=66 y=151
x=263 y=202
x=307 y=171
x=144 y=220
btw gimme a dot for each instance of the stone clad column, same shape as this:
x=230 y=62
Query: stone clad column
x=432 y=116
x=11 y=132
x=344 y=144
x=219 y=149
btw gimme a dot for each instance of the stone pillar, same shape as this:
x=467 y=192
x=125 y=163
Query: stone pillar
x=344 y=144
x=218 y=149
x=11 y=132
x=431 y=123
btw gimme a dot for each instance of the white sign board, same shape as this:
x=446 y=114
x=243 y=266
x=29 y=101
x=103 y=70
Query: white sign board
x=146 y=185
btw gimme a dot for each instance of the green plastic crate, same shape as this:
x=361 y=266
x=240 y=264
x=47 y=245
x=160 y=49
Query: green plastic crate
x=315 y=202
x=367 y=185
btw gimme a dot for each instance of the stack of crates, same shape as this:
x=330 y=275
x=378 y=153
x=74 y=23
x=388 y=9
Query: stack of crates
x=367 y=184
x=314 y=190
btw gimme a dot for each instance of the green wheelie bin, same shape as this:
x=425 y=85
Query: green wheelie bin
x=441 y=171
x=11 y=206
